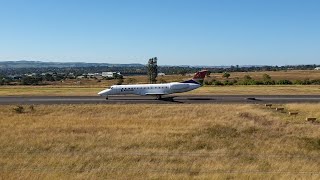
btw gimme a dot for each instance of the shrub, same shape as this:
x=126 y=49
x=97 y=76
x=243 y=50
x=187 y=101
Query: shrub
x=306 y=82
x=315 y=82
x=284 y=82
x=247 y=82
x=108 y=78
x=299 y=82
x=217 y=83
x=269 y=82
x=266 y=77
x=226 y=75
x=259 y=82
x=31 y=107
x=235 y=81
x=117 y=76
x=31 y=80
x=19 y=109
x=228 y=83
x=206 y=82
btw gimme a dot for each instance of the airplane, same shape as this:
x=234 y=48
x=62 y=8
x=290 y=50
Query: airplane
x=157 y=90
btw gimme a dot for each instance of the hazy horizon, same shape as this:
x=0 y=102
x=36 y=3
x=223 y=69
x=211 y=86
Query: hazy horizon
x=203 y=65
x=179 y=32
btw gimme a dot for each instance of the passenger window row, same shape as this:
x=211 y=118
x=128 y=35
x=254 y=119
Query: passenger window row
x=146 y=88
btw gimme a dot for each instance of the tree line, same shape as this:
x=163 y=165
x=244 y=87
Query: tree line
x=132 y=70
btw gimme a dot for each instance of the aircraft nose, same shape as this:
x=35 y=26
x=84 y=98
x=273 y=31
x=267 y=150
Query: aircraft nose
x=104 y=92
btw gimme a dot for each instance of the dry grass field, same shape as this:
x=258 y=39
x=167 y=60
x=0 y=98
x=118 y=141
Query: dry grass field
x=159 y=142
x=275 y=75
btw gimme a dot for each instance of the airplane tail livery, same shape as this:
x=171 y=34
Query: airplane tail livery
x=198 y=77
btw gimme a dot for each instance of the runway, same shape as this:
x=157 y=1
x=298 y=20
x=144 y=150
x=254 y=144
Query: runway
x=192 y=99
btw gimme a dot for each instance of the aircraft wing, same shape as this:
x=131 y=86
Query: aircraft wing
x=154 y=94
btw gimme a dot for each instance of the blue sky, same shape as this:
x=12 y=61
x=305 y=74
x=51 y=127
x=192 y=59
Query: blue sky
x=178 y=32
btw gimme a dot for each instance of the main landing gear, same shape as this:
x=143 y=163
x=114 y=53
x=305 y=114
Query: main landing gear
x=107 y=98
x=158 y=97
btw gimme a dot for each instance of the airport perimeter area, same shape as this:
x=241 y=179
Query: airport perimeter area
x=214 y=132
x=211 y=141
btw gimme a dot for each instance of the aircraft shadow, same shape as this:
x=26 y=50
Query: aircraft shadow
x=201 y=99
x=170 y=99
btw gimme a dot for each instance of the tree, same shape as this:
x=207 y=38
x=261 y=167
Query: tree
x=183 y=72
x=152 y=69
x=226 y=75
x=237 y=67
x=59 y=77
x=31 y=80
x=266 y=77
x=48 y=77
x=117 y=76
x=2 y=80
x=5 y=80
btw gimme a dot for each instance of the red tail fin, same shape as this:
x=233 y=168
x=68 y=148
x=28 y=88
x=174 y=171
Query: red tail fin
x=200 y=74
x=198 y=77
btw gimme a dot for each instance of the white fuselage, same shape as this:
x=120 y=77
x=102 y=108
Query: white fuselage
x=149 y=89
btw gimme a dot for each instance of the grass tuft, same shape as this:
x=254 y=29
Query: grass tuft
x=19 y=109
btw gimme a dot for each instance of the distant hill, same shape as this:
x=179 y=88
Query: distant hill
x=40 y=64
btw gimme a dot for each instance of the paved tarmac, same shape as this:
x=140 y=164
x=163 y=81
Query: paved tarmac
x=192 y=99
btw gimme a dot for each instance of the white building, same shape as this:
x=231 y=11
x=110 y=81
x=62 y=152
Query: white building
x=110 y=74
x=93 y=75
x=317 y=68
x=80 y=77
x=161 y=74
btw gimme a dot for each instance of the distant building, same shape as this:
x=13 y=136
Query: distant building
x=317 y=68
x=161 y=74
x=71 y=76
x=110 y=74
x=93 y=75
x=80 y=77
x=31 y=75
